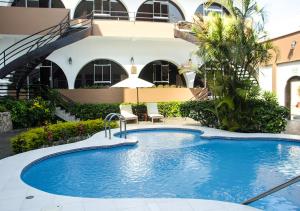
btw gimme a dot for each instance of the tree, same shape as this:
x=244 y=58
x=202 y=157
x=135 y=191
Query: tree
x=231 y=51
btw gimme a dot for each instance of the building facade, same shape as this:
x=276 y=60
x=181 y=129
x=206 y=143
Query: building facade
x=282 y=74
x=131 y=38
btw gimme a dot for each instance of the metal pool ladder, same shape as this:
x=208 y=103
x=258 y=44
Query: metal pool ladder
x=273 y=190
x=108 y=120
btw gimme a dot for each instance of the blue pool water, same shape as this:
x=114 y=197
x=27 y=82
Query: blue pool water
x=169 y=163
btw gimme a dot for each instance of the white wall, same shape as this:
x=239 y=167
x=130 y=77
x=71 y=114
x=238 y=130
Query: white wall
x=284 y=73
x=188 y=7
x=265 y=78
x=121 y=50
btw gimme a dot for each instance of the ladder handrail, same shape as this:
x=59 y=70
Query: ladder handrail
x=273 y=190
x=109 y=118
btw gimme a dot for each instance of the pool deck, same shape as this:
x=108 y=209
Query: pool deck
x=13 y=191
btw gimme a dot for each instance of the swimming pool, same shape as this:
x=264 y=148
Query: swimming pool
x=175 y=163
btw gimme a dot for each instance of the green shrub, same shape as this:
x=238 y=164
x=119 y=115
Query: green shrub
x=263 y=116
x=29 y=113
x=258 y=115
x=52 y=134
x=2 y=108
x=170 y=109
x=200 y=111
x=95 y=111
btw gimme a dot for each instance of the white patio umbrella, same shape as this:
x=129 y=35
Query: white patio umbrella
x=134 y=83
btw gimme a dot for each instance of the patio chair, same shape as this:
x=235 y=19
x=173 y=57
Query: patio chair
x=153 y=112
x=126 y=111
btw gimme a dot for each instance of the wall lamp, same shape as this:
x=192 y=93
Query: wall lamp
x=293 y=44
x=70 y=60
x=133 y=67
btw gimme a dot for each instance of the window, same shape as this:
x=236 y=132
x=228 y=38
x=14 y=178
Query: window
x=161 y=9
x=206 y=9
x=38 y=3
x=102 y=6
x=161 y=73
x=104 y=9
x=33 y=3
x=102 y=73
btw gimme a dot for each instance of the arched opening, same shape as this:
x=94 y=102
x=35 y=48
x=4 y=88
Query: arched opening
x=292 y=95
x=207 y=8
x=199 y=82
x=100 y=73
x=38 y=3
x=160 y=11
x=48 y=74
x=103 y=9
x=163 y=73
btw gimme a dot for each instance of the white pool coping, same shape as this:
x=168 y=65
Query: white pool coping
x=13 y=190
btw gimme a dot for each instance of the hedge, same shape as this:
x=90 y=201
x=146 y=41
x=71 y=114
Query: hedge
x=56 y=134
x=29 y=113
x=258 y=116
x=95 y=111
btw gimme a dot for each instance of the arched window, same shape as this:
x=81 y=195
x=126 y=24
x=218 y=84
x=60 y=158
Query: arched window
x=162 y=73
x=160 y=11
x=205 y=9
x=38 y=3
x=103 y=9
x=100 y=73
x=49 y=74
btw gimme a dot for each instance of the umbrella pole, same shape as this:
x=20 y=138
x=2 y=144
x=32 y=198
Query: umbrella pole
x=137 y=95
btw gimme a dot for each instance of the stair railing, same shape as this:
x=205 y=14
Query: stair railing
x=108 y=120
x=44 y=37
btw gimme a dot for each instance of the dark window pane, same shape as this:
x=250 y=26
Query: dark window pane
x=98 y=73
x=106 y=73
x=165 y=72
x=19 y=3
x=32 y=3
x=44 y=3
x=164 y=10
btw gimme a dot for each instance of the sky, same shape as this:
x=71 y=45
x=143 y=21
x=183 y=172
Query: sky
x=282 y=16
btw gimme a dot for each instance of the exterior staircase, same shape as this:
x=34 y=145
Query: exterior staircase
x=64 y=115
x=19 y=60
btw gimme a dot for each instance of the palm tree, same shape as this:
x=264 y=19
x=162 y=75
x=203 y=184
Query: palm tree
x=231 y=51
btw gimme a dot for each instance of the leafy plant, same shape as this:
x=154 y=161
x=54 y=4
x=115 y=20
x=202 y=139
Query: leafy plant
x=29 y=113
x=231 y=52
x=2 y=108
x=55 y=133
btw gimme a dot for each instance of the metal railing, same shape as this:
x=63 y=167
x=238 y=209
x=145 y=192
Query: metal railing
x=108 y=120
x=273 y=190
x=44 y=37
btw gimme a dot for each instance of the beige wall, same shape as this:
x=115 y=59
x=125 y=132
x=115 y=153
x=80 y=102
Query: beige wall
x=120 y=95
x=133 y=29
x=26 y=21
x=283 y=45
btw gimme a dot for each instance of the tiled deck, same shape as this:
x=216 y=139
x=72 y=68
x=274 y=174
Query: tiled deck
x=13 y=190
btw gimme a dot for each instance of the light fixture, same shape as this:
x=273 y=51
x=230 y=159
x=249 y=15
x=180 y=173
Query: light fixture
x=132 y=60
x=293 y=44
x=70 y=60
x=133 y=67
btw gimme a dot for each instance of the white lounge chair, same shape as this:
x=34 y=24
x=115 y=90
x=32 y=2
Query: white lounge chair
x=126 y=111
x=153 y=112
